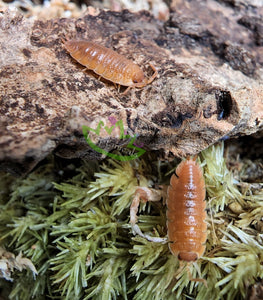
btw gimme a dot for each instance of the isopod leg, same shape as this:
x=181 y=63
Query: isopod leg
x=183 y=266
x=154 y=74
x=127 y=90
x=84 y=70
x=190 y=158
x=65 y=40
x=146 y=194
x=118 y=87
x=199 y=273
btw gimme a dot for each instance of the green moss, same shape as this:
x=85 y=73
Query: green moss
x=77 y=234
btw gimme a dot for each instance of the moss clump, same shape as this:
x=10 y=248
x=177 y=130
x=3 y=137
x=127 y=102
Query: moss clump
x=77 y=234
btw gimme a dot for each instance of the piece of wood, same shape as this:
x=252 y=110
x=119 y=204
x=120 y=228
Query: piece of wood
x=209 y=83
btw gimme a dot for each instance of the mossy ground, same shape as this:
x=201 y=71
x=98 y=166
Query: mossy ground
x=72 y=223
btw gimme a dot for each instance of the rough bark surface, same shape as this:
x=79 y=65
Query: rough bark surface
x=209 y=58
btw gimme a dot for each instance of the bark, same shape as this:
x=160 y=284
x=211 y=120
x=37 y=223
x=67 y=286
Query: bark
x=209 y=85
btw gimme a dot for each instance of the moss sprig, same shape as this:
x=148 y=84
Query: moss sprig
x=76 y=233
x=108 y=278
x=241 y=259
x=220 y=184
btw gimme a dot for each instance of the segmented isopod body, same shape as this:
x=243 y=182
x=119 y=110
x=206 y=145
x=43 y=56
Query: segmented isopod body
x=186 y=212
x=108 y=64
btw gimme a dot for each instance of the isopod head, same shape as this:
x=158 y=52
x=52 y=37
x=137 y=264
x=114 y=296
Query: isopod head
x=138 y=79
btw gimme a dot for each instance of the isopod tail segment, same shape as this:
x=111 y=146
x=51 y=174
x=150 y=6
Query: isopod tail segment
x=185 y=200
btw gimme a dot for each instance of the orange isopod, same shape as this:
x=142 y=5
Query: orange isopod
x=186 y=212
x=108 y=64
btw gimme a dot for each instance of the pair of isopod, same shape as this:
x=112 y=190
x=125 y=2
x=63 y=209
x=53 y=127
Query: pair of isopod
x=186 y=194
x=108 y=64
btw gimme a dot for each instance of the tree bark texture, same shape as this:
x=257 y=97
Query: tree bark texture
x=209 y=58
